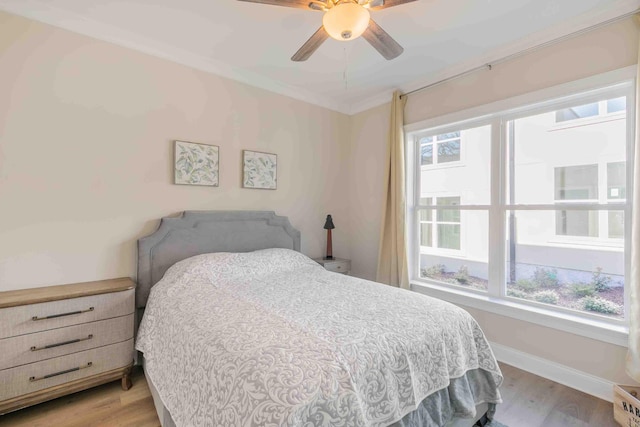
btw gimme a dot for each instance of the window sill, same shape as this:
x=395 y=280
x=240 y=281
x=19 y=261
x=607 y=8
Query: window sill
x=590 y=328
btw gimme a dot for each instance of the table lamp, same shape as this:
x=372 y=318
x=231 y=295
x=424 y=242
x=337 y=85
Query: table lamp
x=328 y=225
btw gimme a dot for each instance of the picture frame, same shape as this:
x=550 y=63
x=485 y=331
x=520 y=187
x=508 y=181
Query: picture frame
x=259 y=170
x=196 y=164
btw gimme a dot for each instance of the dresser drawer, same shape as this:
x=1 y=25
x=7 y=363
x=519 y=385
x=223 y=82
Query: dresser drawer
x=338 y=266
x=18 y=351
x=30 y=378
x=27 y=319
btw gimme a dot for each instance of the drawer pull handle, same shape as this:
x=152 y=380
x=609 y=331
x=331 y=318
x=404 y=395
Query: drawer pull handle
x=88 y=365
x=53 y=316
x=34 y=348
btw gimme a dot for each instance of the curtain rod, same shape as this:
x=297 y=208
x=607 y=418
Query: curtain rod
x=489 y=66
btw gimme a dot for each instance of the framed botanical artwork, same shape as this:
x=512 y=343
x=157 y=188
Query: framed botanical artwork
x=196 y=164
x=259 y=170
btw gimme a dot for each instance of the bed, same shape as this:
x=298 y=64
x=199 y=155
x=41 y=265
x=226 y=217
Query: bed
x=241 y=329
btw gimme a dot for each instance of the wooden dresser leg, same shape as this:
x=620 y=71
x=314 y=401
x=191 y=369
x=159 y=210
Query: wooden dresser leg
x=126 y=380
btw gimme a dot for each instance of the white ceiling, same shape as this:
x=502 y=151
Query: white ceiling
x=253 y=43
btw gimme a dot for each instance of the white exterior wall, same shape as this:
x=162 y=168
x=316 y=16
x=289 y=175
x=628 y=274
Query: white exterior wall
x=541 y=146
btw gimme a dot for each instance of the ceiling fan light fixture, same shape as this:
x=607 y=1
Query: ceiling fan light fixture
x=346 y=21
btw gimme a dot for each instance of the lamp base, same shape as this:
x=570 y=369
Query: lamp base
x=328 y=257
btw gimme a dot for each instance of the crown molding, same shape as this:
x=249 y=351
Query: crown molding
x=48 y=14
x=42 y=12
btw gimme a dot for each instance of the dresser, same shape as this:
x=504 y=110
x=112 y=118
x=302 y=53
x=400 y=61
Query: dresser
x=337 y=265
x=58 y=340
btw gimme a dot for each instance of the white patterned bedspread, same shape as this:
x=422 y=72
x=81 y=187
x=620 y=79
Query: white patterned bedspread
x=270 y=338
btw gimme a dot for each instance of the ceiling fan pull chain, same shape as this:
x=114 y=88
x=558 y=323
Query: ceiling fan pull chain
x=345 y=74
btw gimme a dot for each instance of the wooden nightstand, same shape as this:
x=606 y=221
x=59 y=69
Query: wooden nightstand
x=58 y=340
x=337 y=265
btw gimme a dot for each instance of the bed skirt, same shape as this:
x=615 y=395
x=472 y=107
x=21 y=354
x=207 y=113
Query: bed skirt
x=431 y=412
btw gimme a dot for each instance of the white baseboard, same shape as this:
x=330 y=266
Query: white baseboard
x=553 y=371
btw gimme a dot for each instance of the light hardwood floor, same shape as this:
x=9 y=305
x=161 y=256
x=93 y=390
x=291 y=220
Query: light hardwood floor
x=529 y=401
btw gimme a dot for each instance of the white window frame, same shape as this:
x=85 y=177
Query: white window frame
x=498 y=114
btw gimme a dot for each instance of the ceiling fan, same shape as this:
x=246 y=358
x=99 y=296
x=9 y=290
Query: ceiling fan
x=344 y=20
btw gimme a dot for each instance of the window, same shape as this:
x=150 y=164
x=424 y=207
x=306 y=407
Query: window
x=444 y=231
x=536 y=214
x=593 y=109
x=576 y=184
x=447 y=149
x=579 y=184
x=578 y=112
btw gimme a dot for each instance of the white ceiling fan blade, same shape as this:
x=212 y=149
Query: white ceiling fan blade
x=383 y=4
x=381 y=41
x=310 y=45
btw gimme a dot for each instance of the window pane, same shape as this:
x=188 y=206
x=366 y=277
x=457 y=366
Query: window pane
x=451 y=135
x=576 y=182
x=425 y=234
x=577 y=223
x=449 y=236
x=425 y=215
x=448 y=215
x=550 y=164
x=617 y=104
x=469 y=178
x=616 y=180
x=426 y=154
x=463 y=261
x=578 y=112
x=616 y=224
x=541 y=267
x=425 y=201
x=449 y=151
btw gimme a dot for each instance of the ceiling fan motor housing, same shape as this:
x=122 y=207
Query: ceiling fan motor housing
x=346 y=21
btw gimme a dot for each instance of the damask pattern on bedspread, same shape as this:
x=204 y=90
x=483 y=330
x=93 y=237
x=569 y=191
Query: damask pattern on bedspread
x=271 y=338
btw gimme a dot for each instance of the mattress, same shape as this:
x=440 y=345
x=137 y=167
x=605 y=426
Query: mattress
x=271 y=338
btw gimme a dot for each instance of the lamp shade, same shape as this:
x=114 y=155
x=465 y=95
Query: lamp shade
x=328 y=225
x=346 y=21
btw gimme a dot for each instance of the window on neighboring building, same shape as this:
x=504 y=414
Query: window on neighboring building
x=576 y=184
x=441 y=230
x=577 y=112
x=593 y=109
x=580 y=184
x=539 y=210
x=444 y=149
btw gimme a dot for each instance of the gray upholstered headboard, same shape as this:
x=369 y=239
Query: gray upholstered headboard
x=199 y=232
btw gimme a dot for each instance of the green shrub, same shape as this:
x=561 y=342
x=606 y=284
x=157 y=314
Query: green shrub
x=580 y=290
x=600 y=305
x=546 y=278
x=433 y=271
x=547 y=297
x=517 y=293
x=462 y=275
x=527 y=285
x=600 y=282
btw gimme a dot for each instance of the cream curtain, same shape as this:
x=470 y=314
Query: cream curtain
x=633 y=355
x=392 y=254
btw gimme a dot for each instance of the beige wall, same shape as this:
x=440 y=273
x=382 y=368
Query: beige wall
x=86 y=137
x=609 y=48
